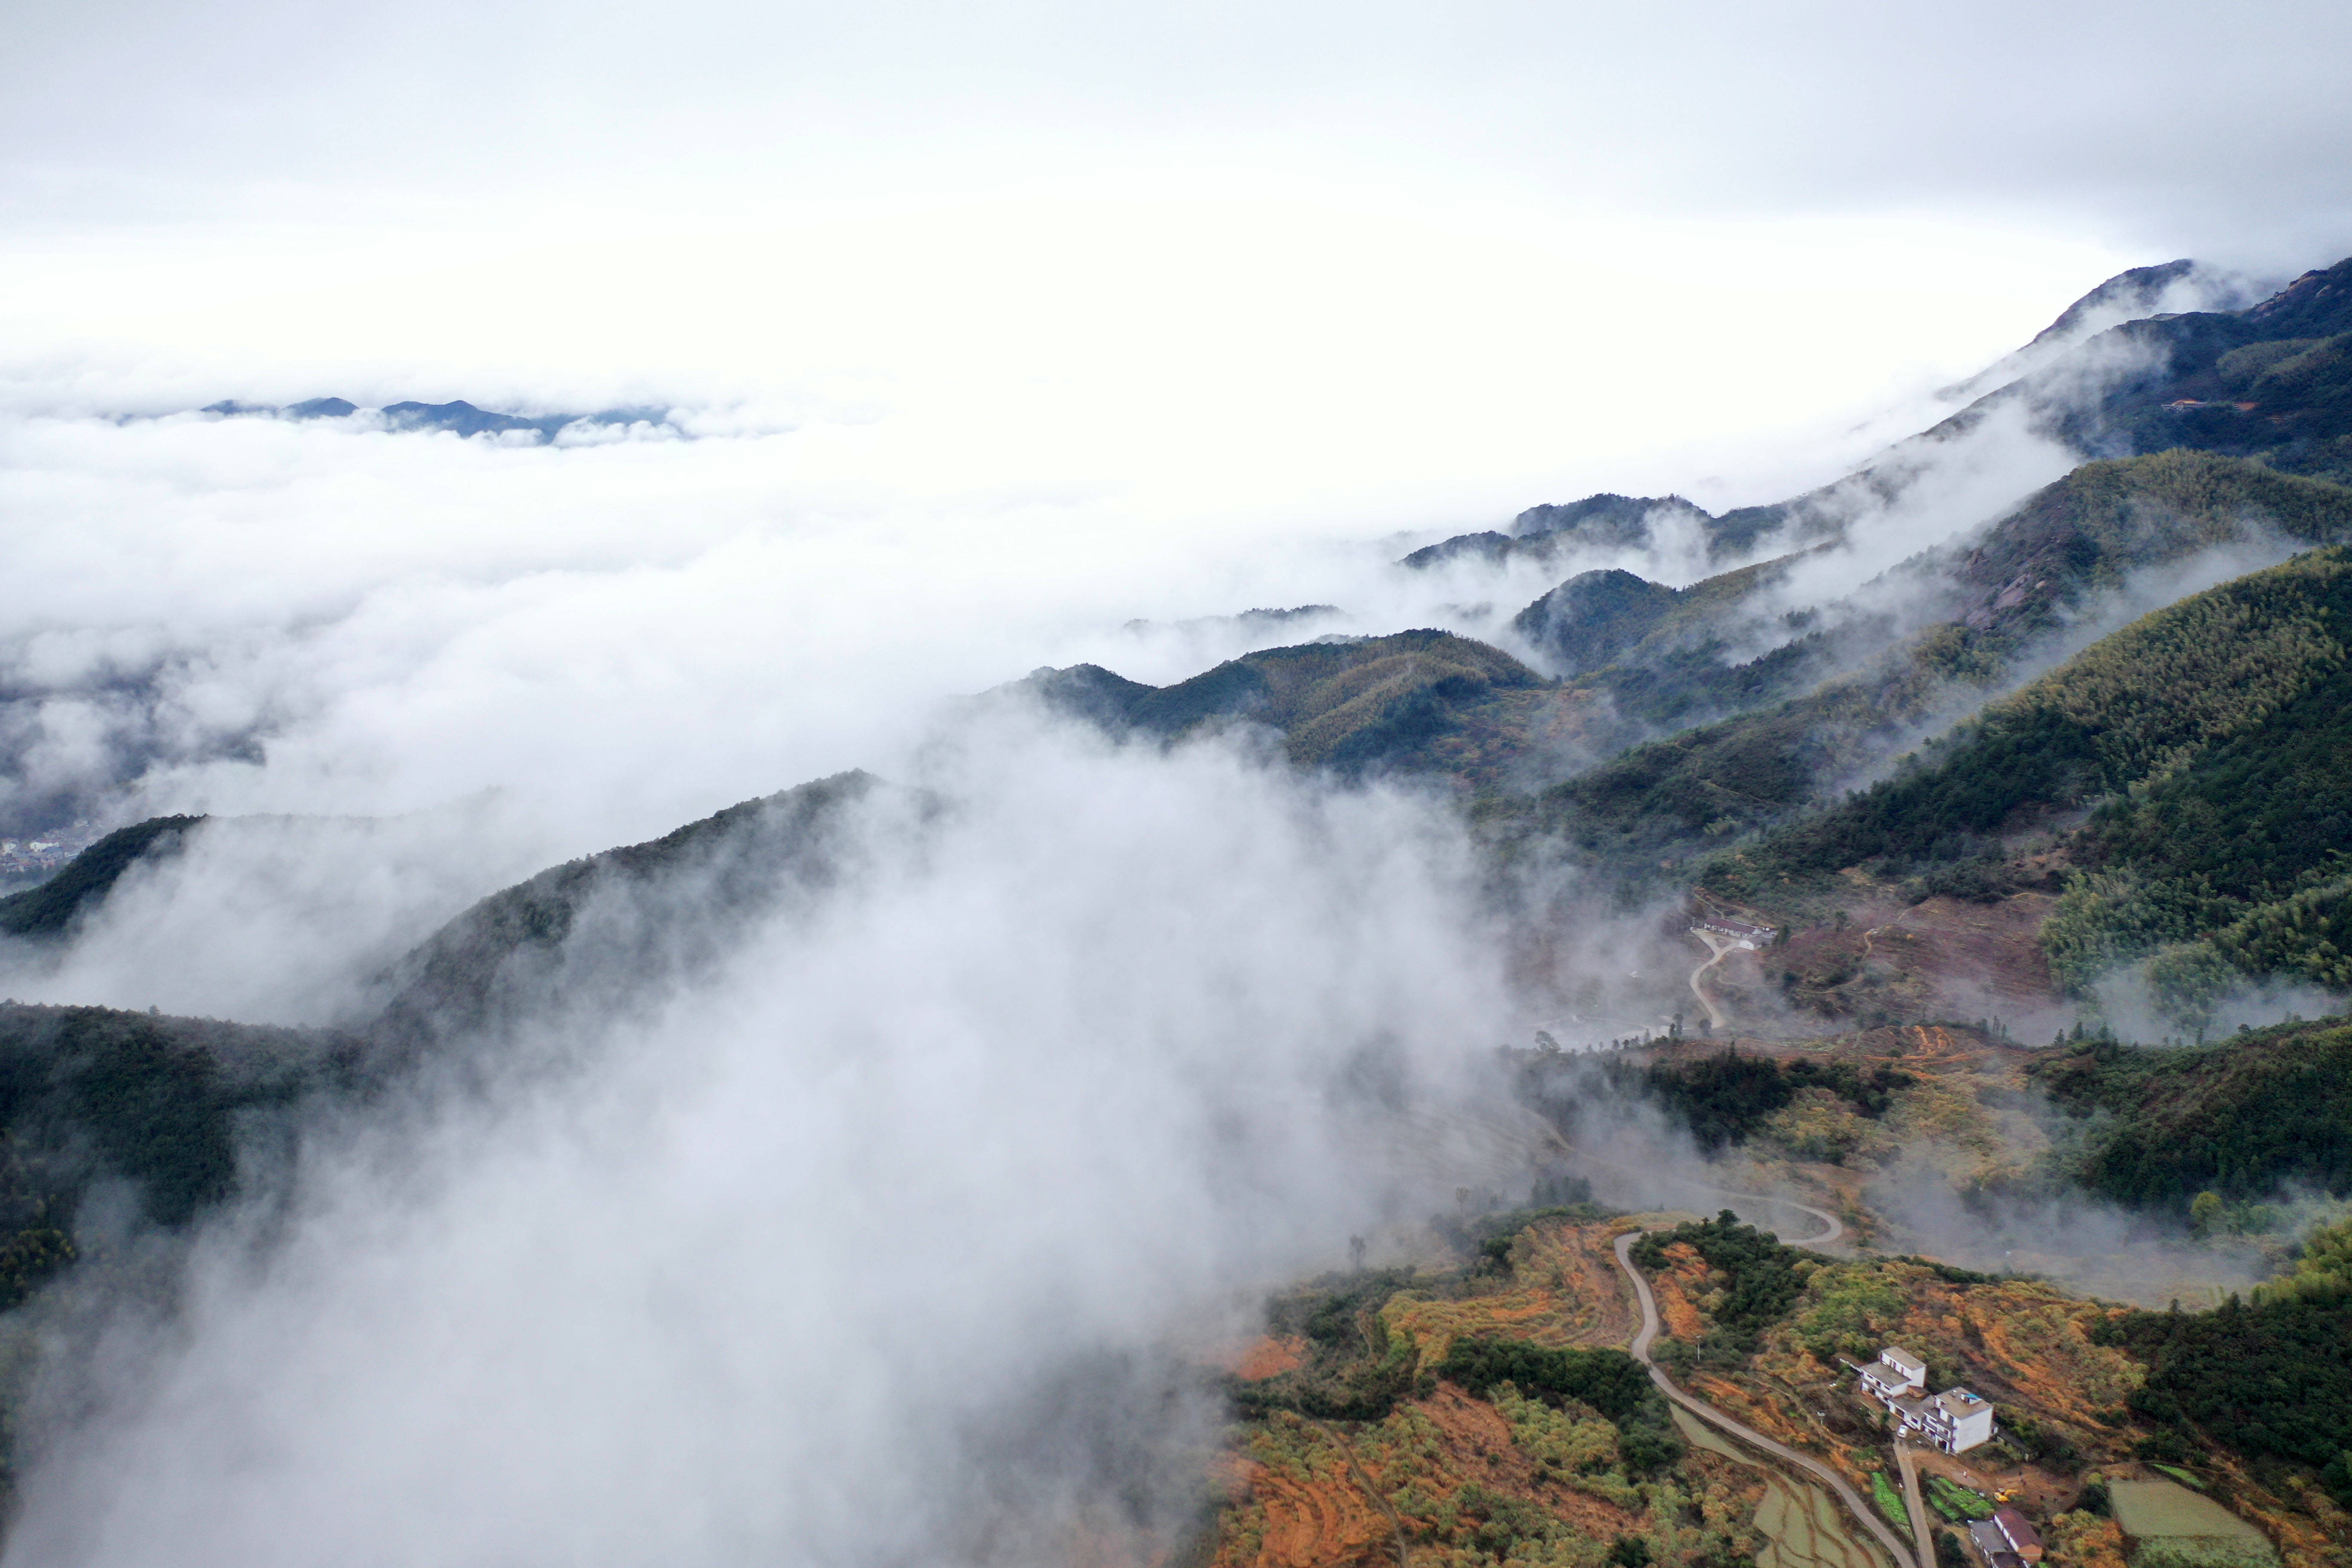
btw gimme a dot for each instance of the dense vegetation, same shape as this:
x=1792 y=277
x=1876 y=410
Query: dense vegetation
x=2205 y=739
x=91 y=1096
x=2272 y=382
x=2239 y=1119
x=2135 y=709
x=2271 y=1382
x=1762 y=1280
x=691 y=892
x=1722 y=1099
x=2048 y=748
x=50 y=909
x=2322 y=1271
x=1608 y=1381
x=1353 y=1371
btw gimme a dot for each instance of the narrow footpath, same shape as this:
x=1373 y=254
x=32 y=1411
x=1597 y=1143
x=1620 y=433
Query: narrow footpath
x=1877 y=1527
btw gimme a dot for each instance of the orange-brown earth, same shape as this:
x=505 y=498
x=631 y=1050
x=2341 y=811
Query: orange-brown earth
x=1564 y=1290
x=1440 y=1463
x=1308 y=1493
x=1941 y=958
x=1684 y=1276
x=1301 y=1507
x=2023 y=1343
x=1267 y=1357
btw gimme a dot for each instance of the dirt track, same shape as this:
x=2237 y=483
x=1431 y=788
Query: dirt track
x=1717 y=949
x=1921 y=1530
x=1672 y=1391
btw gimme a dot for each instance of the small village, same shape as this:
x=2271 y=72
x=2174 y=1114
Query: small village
x=1952 y=1422
x=27 y=857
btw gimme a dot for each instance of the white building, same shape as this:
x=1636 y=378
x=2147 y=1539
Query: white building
x=1954 y=1421
x=1896 y=1374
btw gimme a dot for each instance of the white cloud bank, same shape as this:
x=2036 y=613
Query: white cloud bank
x=784 y=1274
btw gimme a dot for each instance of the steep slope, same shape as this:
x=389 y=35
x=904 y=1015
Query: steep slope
x=2004 y=593
x=2269 y=381
x=2272 y=380
x=608 y=932
x=2243 y=1119
x=51 y=908
x=93 y=1094
x=2205 y=739
x=1404 y=700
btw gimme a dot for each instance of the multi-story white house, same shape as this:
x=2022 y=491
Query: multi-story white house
x=1954 y=1421
x=1895 y=1374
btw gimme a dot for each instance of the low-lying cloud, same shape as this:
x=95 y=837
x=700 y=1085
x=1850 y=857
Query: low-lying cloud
x=1066 y=1072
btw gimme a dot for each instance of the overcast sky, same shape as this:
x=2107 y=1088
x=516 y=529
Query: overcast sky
x=1005 y=326
x=1931 y=182
x=2168 y=125
x=1030 y=319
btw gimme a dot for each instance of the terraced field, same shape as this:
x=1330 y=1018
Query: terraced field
x=1803 y=1525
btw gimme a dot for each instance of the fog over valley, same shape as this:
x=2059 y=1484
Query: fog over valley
x=1021 y=786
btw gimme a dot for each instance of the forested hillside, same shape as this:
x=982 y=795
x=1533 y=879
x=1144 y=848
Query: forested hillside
x=2205 y=740
x=50 y=909
x=1664 y=799
x=609 y=930
x=2243 y=1118
x=163 y=1106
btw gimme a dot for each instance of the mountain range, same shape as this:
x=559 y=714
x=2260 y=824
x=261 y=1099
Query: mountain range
x=2080 y=758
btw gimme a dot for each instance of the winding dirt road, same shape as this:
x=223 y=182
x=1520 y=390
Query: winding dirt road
x=1717 y=946
x=1832 y=1227
x=1877 y=1527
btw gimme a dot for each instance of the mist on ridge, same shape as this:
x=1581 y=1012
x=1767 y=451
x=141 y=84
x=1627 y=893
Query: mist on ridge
x=1077 y=1060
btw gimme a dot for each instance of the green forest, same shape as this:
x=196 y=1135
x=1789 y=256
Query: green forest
x=1765 y=1281
x=1722 y=1099
x=2273 y=1382
x=92 y=1094
x=2240 y=1118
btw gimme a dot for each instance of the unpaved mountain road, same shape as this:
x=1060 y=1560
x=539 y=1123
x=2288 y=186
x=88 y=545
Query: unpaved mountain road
x=1877 y=1527
x=1832 y=1227
x=1716 y=947
x=1916 y=1499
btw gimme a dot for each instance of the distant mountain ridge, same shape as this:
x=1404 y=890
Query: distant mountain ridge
x=2118 y=393
x=458 y=416
x=1677 y=721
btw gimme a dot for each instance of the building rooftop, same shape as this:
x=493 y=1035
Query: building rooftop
x=1902 y=1360
x=2016 y=1526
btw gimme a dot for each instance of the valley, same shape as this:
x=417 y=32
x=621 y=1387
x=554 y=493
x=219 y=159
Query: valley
x=1955 y=910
